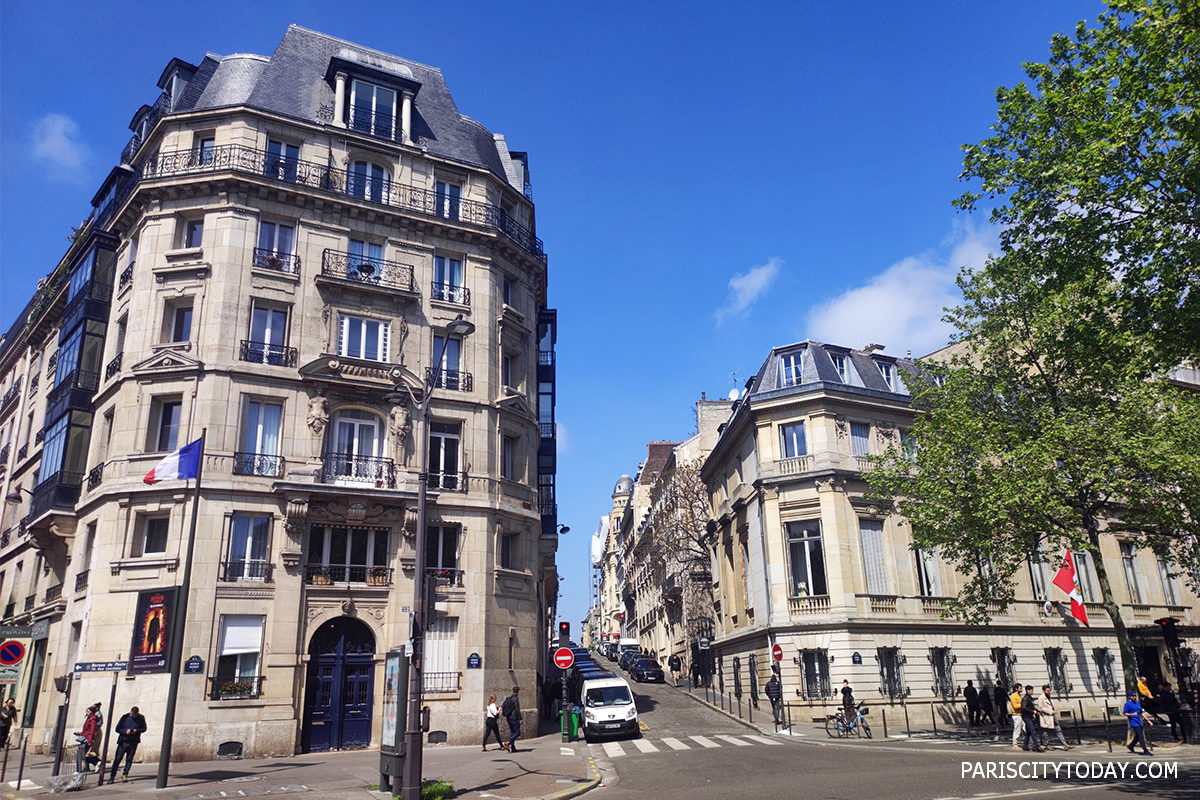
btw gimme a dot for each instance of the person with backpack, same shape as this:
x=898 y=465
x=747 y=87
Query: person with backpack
x=512 y=712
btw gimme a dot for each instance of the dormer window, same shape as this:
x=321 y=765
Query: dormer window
x=839 y=363
x=888 y=372
x=791 y=368
x=372 y=109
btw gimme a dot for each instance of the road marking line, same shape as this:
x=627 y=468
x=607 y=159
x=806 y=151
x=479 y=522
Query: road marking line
x=613 y=749
x=762 y=739
x=675 y=744
x=644 y=746
x=733 y=740
x=567 y=751
x=700 y=740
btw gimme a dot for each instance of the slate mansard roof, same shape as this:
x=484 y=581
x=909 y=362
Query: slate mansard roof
x=863 y=373
x=295 y=82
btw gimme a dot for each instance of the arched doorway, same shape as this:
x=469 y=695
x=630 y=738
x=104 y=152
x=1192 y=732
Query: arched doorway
x=339 y=688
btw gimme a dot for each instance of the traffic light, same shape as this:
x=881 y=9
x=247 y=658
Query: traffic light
x=564 y=634
x=1170 y=635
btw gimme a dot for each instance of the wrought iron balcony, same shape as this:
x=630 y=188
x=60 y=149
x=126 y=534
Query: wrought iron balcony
x=60 y=490
x=30 y=602
x=114 y=366
x=81 y=580
x=161 y=106
x=451 y=379
x=54 y=593
x=247 y=570
x=367 y=270
x=276 y=355
x=10 y=610
x=22 y=451
x=257 y=464
x=448 y=481
x=279 y=262
x=6 y=537
x=449 y=293
x=328 y=574
x=92 y=302
x=375 y=123
x=34 y=382
x=51 y=364
x=4 y=452
x=126 y=277
x=441 y=682
x=75 y=391
x=95 y=477
x=322 y=177
x=446 y=575
x=341 y=467
x=12 y=393
x=235 y=688
x=39 y=437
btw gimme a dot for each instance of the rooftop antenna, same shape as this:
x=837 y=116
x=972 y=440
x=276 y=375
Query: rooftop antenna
x=733 y=393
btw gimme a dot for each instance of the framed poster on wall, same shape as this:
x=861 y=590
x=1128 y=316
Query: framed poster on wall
x=153 y=631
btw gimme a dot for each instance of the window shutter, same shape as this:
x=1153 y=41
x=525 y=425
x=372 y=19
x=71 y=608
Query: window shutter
x=241 y=634
x=343 y=323
x=384 y=336
x=873 y=556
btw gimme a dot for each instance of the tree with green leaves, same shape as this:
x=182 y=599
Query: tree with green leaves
x=1058 y=417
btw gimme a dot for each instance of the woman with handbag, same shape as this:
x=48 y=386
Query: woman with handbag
x=491 y=723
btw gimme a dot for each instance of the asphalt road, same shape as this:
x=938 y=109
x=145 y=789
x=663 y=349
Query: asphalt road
x=691 y=752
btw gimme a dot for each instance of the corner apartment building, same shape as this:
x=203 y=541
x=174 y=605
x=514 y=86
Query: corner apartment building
x=277 y=259
x=800 y=559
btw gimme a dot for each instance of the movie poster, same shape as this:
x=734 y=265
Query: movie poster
x=152 y=630
x=391 y=701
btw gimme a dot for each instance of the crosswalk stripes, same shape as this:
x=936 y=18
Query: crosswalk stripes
x=644 y=746
x=703 y=742
x=733 y=740
x=761 y=739
x=613 y=749
x=675 y=744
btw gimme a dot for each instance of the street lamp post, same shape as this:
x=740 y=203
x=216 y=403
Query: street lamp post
x=411 y=777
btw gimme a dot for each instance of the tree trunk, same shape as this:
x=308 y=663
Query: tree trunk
x=1128 y=657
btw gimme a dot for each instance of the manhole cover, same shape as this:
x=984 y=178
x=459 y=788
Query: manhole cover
x=243 y=779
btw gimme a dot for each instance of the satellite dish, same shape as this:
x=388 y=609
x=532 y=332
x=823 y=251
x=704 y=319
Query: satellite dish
x=733 y=394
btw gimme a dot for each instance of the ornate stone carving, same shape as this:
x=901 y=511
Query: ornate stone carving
x=318 y=416
x=401 y=425
x=842 y=425
x=885 y=433
x=356 y=512
x=410 y=521
x=831 y=484
x=297 y=515
x=347 y=606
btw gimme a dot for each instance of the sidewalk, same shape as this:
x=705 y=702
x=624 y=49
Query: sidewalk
x=541 y=768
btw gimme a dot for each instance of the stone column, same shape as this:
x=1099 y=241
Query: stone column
x=339 y=101
x=406 y=118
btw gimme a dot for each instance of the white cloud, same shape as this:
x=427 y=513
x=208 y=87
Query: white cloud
x=902 y=307
x=56 y=143
x=744 y=289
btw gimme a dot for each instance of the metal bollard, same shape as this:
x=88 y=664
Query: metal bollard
x=933 y=716
x=21 y=769
x=789 y=717
x=4 y=766
x=907 y=727
x=750 y=710
x=1107 y=738
x=1079 y=719
x=883 y=711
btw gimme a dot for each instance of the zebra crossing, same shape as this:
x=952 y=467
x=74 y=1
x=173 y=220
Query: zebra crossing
x=670 y=743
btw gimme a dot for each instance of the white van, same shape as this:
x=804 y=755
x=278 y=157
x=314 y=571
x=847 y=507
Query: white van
x=608 y=708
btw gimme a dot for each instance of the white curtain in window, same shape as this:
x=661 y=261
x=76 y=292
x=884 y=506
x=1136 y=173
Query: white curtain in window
x=241 y=634
x=873 y=555
x=927 y=567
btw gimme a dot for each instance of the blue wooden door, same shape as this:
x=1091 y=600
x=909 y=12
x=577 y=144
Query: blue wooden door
x=339 y=687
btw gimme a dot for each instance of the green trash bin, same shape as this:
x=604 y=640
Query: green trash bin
x=576 y=721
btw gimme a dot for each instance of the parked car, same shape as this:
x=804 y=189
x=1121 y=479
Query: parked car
x=646 y=670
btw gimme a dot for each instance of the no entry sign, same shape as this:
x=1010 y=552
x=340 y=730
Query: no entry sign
x=563 y=658
x=777 y=653
x=11 y=653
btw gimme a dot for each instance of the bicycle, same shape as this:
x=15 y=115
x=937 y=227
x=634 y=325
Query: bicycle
x=837 y=726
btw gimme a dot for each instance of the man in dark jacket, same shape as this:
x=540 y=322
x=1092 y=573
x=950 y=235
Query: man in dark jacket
x=129 y=734
x=986 y=709
x=1028 y=715
x=775 y=695
x=971 y=695
x=512 y=712
x=676 y=665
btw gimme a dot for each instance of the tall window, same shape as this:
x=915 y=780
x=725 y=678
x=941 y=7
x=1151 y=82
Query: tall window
x=440 y=672
x=259 y=453
x=1085 y=572
x=169 y=417
x=448 y=280
x=359 y=337
x=268 y=336
x=888 y=373
x=1056 y=665
x=1104 y=670
x=248 y=542
x=1003 y=658
x=449 y=197
x=839 y=363
x=282 y=160
x=791 y=368
x=874 y=556
x=240 y=646
x=807 y=558
x=1169 y=585
x=450 y=376
x=792 y=440
x=345 y=555
x=929 y=578
x=179 y=321
x=943 y=671
x=444 y=444
x=276 y=238
x=441 y=547
x=860 y=438
x=891 y=675
x=373 y=109
x=1133 y=576
x=507 y=546
x=508 y=457
x=366 y=261
x=814 y=673
x=152 y=539
x=357 y=444
x=369 y=181
x=1038 y=576
x=193 y=233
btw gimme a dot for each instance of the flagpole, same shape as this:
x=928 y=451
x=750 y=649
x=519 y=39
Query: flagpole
x=177 y=631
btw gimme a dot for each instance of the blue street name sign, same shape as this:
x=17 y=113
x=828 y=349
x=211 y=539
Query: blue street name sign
x=474 y=661
x=194 y=666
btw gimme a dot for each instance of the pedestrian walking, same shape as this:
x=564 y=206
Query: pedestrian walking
x=1168 y=704
x=1014 y=707
x=847 y=701
x=512 y=713
x=1000 y=696
x=1048 y=721
x=775 y=694
x=1137 y=719
x=7 y=714
x=695 y=674
x=550 y=692
x=676 y=665
x=130 y=728
x=971 y=695
x=1029 y=722
x=491 y=723
x=986 y=709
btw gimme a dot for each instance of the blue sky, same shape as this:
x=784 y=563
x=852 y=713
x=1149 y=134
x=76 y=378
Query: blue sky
x=711 y=179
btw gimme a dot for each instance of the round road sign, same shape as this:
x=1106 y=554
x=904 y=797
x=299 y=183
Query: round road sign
x=563 y=658
x=11 y=653
x=777 y=653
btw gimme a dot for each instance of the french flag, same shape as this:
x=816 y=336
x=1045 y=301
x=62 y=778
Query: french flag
x=183 y=464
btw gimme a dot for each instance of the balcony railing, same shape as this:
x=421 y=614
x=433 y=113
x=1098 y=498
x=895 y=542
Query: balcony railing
x=257 y=464
x=279 y=262
x=863 y=463
x=95 y=477
x=451 y=379
x=60 y=490
x=34 y=382
x=51 y=364
x=449 y=293
x=6 y=537
x=126 y=277
x=367 y=270
x=22 y=451
x=276 y=355
x=161 y=106
x=448 y=481
x=39 y=437
x=247 y=570
x=10 y=610
x=4 y=453
x=82 y=379
x=81 y=580
x=441 y=682
x=328 y=574
x=12 y=393
x=114 y=366
x=794 y=465
x=818 y=604
x=54 y=593
x=340 y=467
x=30 y=602
x=447 y=575
x=376 y=123
x=235 y=688
x=322 y=177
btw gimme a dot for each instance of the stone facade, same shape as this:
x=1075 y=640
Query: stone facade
x=277 y=262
